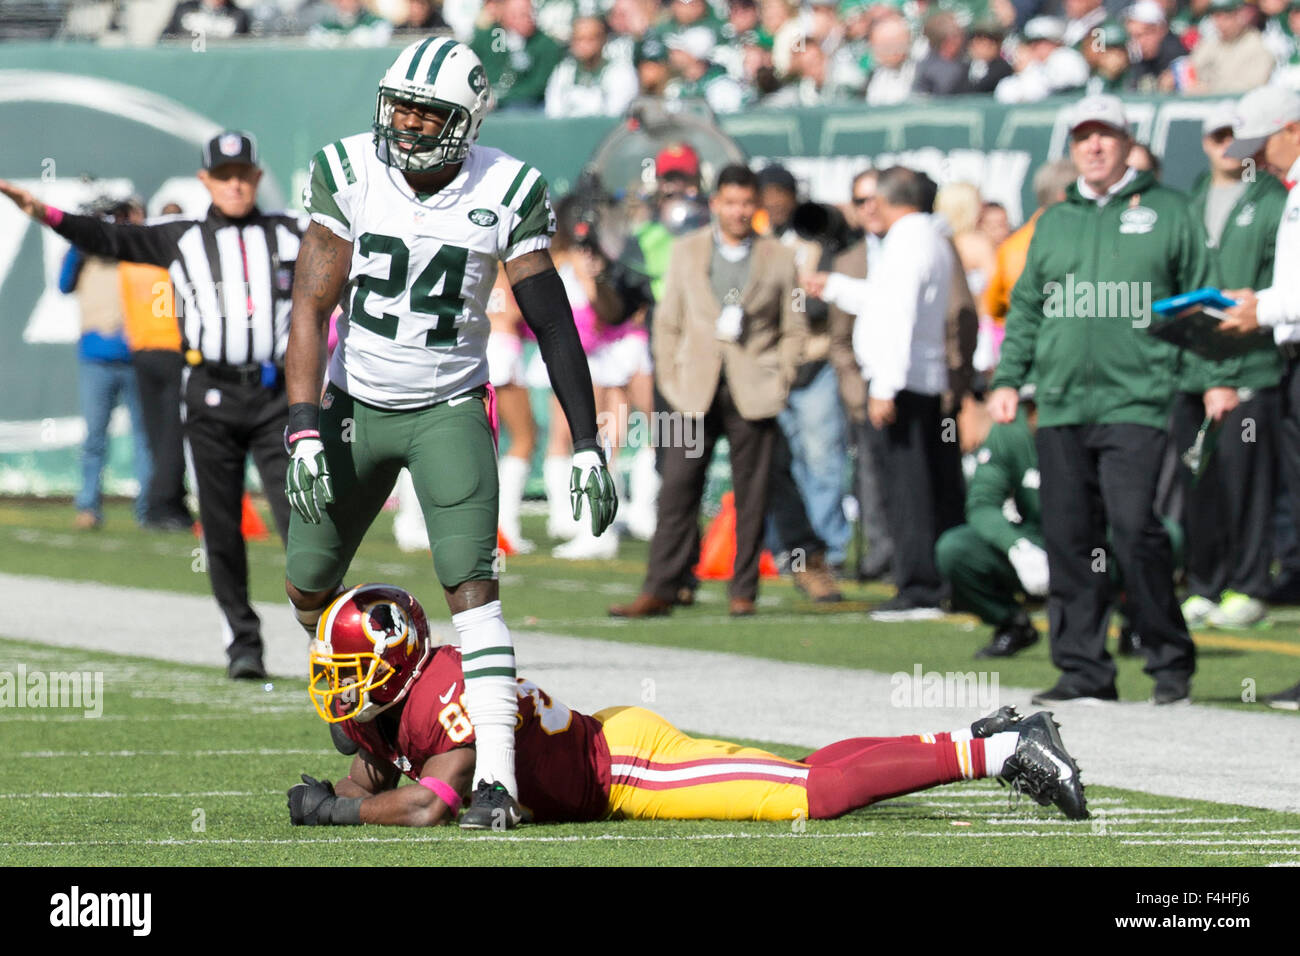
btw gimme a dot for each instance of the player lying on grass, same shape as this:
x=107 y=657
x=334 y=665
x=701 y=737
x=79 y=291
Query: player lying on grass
x=376 y=673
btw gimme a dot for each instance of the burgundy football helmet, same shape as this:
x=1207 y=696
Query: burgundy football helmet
x=371 y=644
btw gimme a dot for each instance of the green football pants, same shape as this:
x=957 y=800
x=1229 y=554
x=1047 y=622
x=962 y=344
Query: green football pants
x=450 y=453
x=982 y=578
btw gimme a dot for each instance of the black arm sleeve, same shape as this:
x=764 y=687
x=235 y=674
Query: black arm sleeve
x=545 y=308
x=154 y=244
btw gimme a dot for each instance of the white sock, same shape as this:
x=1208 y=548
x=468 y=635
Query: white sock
x=643 y=494
x=555 y=472
x=512 y=475
x=997 y=750
x=488 y=662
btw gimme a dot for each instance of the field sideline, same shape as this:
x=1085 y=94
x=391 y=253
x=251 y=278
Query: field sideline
x=176 y=737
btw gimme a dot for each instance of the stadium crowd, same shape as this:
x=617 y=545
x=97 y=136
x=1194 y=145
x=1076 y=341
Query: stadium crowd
x=590 y=57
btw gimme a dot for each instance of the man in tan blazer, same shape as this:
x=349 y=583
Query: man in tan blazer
x=727 y=341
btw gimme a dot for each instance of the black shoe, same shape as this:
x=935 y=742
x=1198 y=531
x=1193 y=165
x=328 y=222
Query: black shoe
x=342 y=742
x=492 y=808
x=1286 y=700
x=1062 y=693
x=1174 y=689
x=1004 y=718
x=1130 y=642
x=1044 y=769
x=246 y=667
x=1010 y=639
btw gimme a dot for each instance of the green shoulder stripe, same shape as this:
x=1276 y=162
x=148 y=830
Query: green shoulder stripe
x=321 y=189
x=524 y=170
x=535 y=215
x=342 y=154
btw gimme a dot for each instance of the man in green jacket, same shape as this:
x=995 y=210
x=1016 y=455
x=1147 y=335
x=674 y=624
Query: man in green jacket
x=1228 y=509
x=999 y=551
x=1078 y=318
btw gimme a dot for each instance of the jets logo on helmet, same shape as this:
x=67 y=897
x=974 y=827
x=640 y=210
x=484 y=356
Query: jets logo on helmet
x=370 y=646
x=437 y=73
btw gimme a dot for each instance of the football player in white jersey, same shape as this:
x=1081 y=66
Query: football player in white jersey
x=413 y=219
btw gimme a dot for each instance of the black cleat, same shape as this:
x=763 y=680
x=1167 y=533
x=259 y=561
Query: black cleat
x=1004 y=718
x=1044 y=769
x=492 y=808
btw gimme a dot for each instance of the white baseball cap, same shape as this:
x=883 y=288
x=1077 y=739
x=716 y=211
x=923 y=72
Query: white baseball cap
x=1261 y=113
x=1045 y=28
x=1101 y=108
x=1145 y=11
x=1222 y=116
x=698 y=42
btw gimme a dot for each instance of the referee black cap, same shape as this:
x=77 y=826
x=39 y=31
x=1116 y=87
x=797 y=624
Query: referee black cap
x=230 y=146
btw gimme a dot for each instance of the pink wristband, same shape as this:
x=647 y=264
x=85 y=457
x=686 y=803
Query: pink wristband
x=443 y=791
x=305 y=433
x=53 y=216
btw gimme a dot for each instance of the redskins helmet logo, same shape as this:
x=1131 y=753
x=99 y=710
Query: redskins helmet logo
x=385 y=625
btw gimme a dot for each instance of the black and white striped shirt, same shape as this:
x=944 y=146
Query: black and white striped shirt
x=233 y=278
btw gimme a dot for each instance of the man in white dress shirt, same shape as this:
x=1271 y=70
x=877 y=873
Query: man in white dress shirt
x=1267 y=132
x=900 y=341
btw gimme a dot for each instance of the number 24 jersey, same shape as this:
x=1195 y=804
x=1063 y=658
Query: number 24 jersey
x=423 y=266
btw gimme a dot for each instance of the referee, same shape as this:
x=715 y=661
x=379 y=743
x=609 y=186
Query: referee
x=233 y=274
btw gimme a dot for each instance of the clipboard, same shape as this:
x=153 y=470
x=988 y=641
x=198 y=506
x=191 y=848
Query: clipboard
x=1191 y=321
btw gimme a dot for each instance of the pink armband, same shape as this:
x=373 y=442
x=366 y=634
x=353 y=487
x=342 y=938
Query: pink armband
x=305 y=433
x=443 y=791
x=53 y=216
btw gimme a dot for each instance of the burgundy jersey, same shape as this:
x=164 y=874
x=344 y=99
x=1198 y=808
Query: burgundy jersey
x=561 y=758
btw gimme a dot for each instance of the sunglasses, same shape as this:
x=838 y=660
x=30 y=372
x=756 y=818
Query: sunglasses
x=1221 y=135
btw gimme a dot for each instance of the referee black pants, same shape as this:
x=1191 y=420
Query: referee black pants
x=1092 y=476
x=1227 y=513
x=158 y=375
x=224 y=424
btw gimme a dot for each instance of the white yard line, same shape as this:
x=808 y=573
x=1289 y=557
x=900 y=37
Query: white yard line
x=1195 y=752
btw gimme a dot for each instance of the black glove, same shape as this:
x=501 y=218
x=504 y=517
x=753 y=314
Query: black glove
x=311 y=802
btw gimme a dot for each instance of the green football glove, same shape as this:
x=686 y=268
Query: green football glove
x=308 y=483
x=590 y=478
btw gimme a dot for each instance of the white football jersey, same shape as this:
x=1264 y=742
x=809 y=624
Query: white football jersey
x=423 y=266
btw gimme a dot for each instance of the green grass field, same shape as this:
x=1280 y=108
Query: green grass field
x=185 y=767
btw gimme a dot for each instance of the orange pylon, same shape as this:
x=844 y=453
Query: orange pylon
x=250 y=523
x=718 y=547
